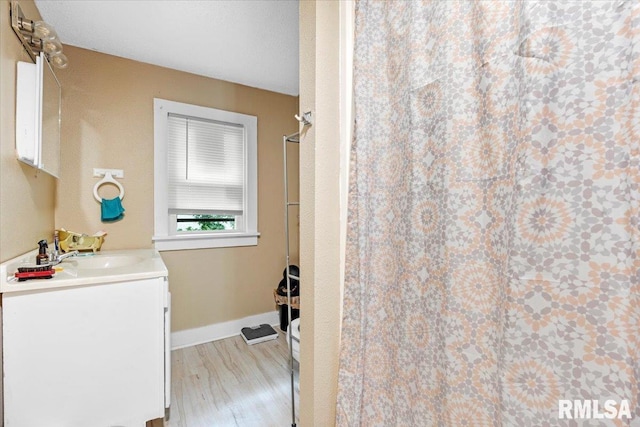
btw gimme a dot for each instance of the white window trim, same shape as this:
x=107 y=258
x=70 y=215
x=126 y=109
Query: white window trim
x=163 y=239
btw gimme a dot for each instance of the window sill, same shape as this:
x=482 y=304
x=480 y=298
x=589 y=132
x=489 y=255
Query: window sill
x=204 y=241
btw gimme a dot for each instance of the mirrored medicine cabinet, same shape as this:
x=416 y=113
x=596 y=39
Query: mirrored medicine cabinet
x=38 y=100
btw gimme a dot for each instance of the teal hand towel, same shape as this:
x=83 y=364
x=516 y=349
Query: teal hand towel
x=112 y=210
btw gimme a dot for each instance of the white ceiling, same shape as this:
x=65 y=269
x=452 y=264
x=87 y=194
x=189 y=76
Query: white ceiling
x=251 y=42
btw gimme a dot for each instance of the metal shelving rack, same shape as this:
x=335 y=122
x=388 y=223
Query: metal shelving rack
x=305 y=119
x=294 y=138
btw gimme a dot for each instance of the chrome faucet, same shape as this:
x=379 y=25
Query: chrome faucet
x=57 y=259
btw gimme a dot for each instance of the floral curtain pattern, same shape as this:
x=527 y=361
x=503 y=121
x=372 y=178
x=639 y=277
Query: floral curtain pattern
x=493 y=258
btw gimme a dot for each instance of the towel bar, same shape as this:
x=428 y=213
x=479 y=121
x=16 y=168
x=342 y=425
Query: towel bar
x=108 y=179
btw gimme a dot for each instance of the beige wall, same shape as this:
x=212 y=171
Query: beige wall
x=27 y=197
x=320 y=212
x=107 y=122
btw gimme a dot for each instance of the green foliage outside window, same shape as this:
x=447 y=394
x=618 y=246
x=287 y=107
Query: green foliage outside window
x=209 y=225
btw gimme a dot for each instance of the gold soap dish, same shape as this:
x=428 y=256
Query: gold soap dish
x=71 y=241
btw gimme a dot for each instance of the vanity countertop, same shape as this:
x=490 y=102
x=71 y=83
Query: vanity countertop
x=86 y=269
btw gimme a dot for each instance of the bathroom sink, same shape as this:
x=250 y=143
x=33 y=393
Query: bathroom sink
x=106 y=261
x=86 y=269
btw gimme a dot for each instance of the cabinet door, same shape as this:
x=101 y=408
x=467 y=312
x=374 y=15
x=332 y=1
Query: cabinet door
x=38 y=101
x=84 y=356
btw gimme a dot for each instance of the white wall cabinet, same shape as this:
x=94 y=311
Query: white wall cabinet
x=85 y=356
x=38 y=104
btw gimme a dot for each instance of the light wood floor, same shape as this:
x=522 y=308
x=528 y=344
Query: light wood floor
x=229 y=383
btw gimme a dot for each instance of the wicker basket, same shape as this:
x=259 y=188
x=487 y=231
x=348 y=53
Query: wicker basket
x=282 y=300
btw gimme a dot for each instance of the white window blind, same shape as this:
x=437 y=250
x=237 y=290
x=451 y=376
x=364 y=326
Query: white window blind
x=206 y=166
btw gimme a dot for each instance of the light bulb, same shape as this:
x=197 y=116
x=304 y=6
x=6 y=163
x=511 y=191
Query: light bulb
x=44 y=31
x=51 y=47
x=59 y=60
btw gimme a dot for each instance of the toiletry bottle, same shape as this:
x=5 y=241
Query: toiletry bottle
x=56 y=244
x=42 y=257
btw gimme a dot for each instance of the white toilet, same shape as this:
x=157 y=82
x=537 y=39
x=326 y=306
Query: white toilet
x=295 y=342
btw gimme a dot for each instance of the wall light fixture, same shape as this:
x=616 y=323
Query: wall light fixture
x=37 y=37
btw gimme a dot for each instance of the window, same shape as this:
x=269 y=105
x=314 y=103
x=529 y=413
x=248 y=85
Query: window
x=205 y=177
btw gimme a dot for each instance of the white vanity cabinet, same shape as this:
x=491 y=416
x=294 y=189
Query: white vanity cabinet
x=85 y=355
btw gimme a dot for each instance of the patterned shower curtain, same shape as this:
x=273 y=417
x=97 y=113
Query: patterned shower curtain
x=493 y=261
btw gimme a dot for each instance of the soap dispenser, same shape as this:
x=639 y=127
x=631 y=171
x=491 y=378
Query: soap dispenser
x=42 y=257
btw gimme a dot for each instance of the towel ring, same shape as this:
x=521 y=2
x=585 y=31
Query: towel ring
x=108 y=179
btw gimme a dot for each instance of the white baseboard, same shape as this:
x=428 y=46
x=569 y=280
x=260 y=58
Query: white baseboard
x=218 y=331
